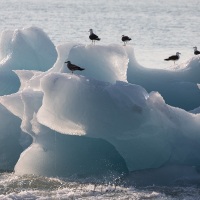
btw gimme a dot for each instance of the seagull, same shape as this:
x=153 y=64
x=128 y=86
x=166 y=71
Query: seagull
x=73 y=67
x=125 y=39
x=93 y=37
x=196 y=52
x=174 y=57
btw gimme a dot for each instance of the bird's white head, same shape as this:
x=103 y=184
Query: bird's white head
x=68 y=61
x=91 y=31
x=195 y=48
x=177 y=53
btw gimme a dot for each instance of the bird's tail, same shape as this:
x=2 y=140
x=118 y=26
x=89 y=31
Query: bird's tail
x=81 y=69
x=167 y=59
x=98 y=38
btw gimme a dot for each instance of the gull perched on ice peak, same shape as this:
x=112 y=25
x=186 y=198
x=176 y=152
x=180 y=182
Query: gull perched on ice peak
x=73 y=67
x=93 y=37
x=196 y=52
x=174 y=57
x=125 y=39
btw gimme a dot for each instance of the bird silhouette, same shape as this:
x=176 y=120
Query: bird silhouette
x=196 y=52
x=93 y=37
x=125 y=39
x=174 y=57
x=73 y=67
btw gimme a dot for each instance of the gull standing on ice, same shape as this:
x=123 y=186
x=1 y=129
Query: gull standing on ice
x=73 y=67
x=125 y=39
x=196 y=52
x=93 y=37
x=174 y=57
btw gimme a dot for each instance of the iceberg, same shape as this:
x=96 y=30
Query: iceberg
x=177 y=84
x=25 y=49
x=115 y=117
x=13 y=141
x=55 y=154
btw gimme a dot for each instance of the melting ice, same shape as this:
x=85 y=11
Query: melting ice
x=114 y=117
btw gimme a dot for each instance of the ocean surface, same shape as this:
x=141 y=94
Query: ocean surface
x=158 y=29
x=14 y=187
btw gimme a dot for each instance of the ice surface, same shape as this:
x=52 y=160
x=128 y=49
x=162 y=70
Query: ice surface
x=142 y=128
x=86 y=96
x=28 y=48
x=177 y=85
x=115 y=114
x=105 y=63
x=10 y=137
x=55 y=154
